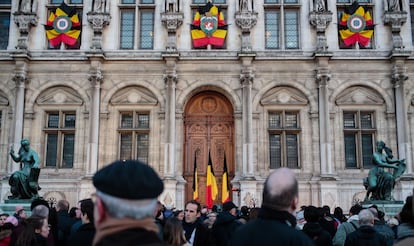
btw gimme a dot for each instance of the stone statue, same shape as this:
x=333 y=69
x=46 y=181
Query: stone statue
x=99 y=6
x=24 y=183
x=25 y=6
x=394 y=5
x=379 y=181
x=320 y=5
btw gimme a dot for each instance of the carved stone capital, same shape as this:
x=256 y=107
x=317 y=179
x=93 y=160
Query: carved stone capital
x=96 y=77
x=246 y=20
x=323 y=76
x=20 y=79
x=399 y=74
x=25 y=21
x=247 y=78
x=98 y=21
x=170 y=78
x=320 y=20
x=395 y=19
x=172 y=20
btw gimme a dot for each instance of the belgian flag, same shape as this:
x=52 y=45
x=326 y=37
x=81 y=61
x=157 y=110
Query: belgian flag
x=195 y=179
x=225 y=186
x=356 y=25
x=211 y=189
x=63 y=26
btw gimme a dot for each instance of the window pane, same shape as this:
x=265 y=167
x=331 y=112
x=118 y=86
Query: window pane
x=367 y=150
x=76 y=1
x=51 y=150
x=4 y=30
x=343 y=1
x=274 y=120
x=68 y=150
x=127 y=29
x=292 y=151
x=271 y=1
x=126 y=120
x=291 y=30
x=70 y=120
x=53 y=121
x=5 y=1
x=199 y=1
x=220 y=1
x=146 y=30
x=412 y=24
x=56 y=1
x=147 y=1
x=291 y=120
x=272 y=29
x=290 y=1
x=350 y=151
x=275 y=151
x=366 y=121
x=126 y=147
x=143 y=121
x=128 y=1
x=349 y=120
x=142 y=147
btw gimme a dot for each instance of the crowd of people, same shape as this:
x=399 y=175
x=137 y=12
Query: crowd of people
x=125 y=211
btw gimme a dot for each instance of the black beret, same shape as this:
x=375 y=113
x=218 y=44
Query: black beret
x=130 y=179
x=227 y=206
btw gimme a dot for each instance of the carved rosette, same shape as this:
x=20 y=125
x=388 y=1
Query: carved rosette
x=24 y=21
x=396 y=19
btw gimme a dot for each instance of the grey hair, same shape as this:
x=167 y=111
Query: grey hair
x=366 y=217
x=41 y=210
x=126 y=208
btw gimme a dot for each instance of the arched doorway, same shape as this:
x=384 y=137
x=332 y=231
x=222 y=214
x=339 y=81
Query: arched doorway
x=208 y=126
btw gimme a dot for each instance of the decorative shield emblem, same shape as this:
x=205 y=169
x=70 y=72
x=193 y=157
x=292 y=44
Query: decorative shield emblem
x=356 y=23
x=62 y=24
x=208 y=24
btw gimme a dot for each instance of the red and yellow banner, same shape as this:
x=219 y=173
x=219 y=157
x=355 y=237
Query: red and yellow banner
x=211 y=189
x=356 y=26
x=63 y=26
x=208 y=27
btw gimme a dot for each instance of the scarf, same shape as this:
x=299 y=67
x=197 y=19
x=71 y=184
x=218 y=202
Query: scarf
x=284 y=216
x=189 y=228
x=113 y=225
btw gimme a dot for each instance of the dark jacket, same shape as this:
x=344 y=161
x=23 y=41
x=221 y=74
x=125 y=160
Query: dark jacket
x=132 y=237
x=65 y=223
x=365 y=235
x=319 y=235
x=83 y=236
x=385 y=230
x=202 y=235
x=224 y=227
x=270 y=228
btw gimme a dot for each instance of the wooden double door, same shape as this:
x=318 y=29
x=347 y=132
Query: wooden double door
x=208 y=127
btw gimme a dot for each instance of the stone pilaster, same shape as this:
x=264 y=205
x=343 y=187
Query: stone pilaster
x=98 y=21
x=96 y=79
x=172 y=20
x=323 y=76
x=398 y=77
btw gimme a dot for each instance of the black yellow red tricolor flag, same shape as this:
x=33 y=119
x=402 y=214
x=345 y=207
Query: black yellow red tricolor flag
x=225 y=186
x=356 y=25
x=63 y=26
x=211 y=189
x=195 y=179
x=208 y=27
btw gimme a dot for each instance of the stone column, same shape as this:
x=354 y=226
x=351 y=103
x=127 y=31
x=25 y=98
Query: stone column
x=246 y=80
x=325 y=146
x=20 y=78
x=399 y=76
x=95 y=79
x=170 y=78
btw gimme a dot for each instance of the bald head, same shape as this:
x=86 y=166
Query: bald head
x=281 y=190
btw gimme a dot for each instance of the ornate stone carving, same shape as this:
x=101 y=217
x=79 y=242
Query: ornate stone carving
x=246 y=20
x=399 y=74
x=320 y=20
x=396 y=19
x=172 y=21
x=24 y=21
x=98 y=21
x=323 y=75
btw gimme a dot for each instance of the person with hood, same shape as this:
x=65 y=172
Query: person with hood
x=225 y=224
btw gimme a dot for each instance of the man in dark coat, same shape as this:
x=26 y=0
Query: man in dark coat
x=313 y=229
x=275 y=224
x=65 y=222
x=225 y=224
x=195 y=231
x=365 y=235
x=86 y=232
x=126 y=198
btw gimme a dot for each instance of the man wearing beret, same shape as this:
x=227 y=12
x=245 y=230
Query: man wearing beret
x=126 y=199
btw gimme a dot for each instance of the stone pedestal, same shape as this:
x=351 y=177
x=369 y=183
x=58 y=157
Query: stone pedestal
x=390 y=208
x=9 y=206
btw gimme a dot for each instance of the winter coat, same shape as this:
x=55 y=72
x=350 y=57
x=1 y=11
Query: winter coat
x=270 y=228
x=83 y=236
x=319 y=235
x=405 y=235
x=131 y=237
x=224 y=227
x=365 y=235
x=345 y=229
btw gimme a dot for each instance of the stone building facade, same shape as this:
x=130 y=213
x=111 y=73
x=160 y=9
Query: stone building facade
x=283 y=91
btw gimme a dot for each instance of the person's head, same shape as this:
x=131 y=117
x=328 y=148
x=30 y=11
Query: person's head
x=179 y=214
x=62 y=205
x=32 y=227
x=86 y=211
x=366 y=217
x=126 y=189
x=281 y=190
x=20 y=212
x=326 y=210
x=338 y=213
x=311 y=214
x=355 y=209
x=204 y=210
x=406 y=213
x=173 y=233
x=3 y=218
x=211 y=217
x=41 y=211
x=39 y=201
x=230 y=207
x=192 y=211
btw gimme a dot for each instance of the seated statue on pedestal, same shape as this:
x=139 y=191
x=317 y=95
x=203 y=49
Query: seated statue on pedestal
x=24 y=183
x=380 y=183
